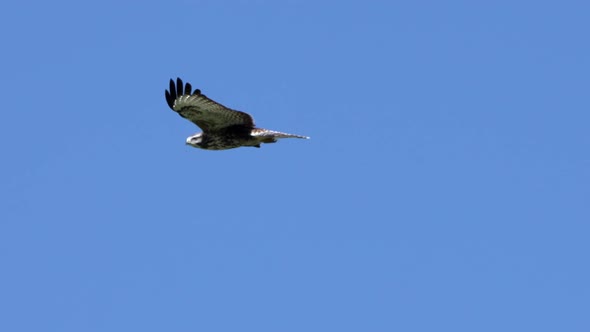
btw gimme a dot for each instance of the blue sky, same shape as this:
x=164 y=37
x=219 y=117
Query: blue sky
x=445 y=187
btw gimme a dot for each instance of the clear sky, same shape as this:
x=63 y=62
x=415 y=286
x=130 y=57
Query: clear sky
x=445 y=187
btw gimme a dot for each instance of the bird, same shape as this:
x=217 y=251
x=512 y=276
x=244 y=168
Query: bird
x=223 y=128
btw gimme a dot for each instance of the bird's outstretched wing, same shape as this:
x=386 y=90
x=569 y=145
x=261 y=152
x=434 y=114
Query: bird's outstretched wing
x=202 y=111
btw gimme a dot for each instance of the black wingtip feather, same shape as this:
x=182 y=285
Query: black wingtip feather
x=170 y=100
x=197 y=92
x=187 y=89
x=172 y=88
x=179 y=87
x=171 y=96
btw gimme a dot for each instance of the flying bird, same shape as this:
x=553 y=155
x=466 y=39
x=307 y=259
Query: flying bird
x=223 y=128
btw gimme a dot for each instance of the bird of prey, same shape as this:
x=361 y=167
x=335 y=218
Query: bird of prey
x=223 y=128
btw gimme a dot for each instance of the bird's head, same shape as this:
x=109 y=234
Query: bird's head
x=195 y=140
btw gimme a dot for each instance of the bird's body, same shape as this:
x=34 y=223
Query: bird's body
x=223 y=128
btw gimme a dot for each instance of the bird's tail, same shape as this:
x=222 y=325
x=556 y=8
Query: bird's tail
x=259 y=132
